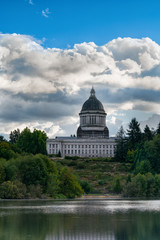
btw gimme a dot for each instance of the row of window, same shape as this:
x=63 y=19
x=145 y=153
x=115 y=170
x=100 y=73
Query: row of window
x=75 y=152
x=82 y=146
x=88 y=152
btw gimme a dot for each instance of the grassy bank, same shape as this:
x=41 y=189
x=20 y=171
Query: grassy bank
x=100 y=173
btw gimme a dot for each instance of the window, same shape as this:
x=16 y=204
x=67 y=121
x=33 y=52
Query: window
x=75 y=151
x=86 y=146
x=72 y=146
x=75 y=146
x=68 y=151
x=72 y=151
x=68 y=146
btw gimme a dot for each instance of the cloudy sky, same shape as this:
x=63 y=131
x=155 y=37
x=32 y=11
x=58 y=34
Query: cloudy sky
x=53 y=52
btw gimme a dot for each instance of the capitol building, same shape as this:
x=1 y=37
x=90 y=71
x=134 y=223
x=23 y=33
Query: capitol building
x=92 y=138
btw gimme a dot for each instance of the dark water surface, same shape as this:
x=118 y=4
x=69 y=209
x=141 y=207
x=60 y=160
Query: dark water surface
x=80 y=220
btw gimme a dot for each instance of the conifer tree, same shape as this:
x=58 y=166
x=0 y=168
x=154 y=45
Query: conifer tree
x=134 y=133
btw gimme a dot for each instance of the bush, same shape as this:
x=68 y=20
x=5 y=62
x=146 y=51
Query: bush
x=86 y=186
x=12 y=190
x=117 y=188
x=68 y=185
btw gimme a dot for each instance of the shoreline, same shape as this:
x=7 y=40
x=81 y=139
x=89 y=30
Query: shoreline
x=101 y=196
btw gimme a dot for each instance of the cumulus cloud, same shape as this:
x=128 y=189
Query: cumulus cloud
x=50 y=85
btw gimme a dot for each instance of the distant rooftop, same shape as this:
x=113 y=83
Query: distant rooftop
x=66 y=137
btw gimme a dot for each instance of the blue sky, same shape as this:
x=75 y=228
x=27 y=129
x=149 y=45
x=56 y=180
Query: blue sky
x=52 y=52
x=71 y=22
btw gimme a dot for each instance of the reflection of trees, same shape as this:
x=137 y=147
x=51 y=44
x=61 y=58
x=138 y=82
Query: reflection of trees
x=24 y=224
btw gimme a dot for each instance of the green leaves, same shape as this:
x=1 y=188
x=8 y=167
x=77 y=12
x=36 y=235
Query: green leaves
x=32 y=142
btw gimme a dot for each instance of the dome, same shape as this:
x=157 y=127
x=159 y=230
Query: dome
x=92 y=103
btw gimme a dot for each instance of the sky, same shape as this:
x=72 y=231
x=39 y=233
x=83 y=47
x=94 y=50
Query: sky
x=53 y=52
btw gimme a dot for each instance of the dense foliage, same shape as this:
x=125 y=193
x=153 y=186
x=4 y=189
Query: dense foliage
x=142 y=150
x=26 y=173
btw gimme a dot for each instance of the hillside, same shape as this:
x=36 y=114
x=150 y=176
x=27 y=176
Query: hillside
x=100 y=173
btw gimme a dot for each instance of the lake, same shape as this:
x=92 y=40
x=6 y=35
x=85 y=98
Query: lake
x=93 y=219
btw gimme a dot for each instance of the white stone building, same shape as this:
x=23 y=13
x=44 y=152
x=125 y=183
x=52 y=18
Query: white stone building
x=92 y=135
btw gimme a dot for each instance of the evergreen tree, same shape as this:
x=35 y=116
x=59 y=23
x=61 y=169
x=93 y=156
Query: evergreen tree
x=147 y=133
x=134 y=133
x=14 y=136
x=122 y=146
x=158 y=129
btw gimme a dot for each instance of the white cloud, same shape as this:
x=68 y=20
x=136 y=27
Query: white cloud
x=46 y=12
x=29 y=69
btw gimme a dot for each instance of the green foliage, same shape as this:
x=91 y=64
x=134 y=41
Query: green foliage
x=5 y=150
x=141 y=185
x=35 y=191
x=134 y=134
x=69 y=186
x=117 y=188
x=36 y=176
x=3 y=164
x=32 y=142
x=148 y=135
x=152 y=150
x=86 y=186
x=14 y=136
x=122 y=146
x=12 y=190
x=158 y=129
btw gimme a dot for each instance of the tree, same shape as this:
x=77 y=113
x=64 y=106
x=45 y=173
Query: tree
x=122 y=146
x=117 y=188
x=32 y=142
x=25 y=140
x=158 y=129
x=147 y=133
x=34 y=171
x=152 y=151
x=5 y=150
x=134 y=133
x=2 y=139
x=68 y=185
x=14 y=136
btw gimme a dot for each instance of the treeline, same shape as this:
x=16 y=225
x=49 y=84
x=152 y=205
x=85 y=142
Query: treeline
x=142 y=151
x=25 y=172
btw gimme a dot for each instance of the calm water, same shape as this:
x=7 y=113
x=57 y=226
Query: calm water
x=80 y=220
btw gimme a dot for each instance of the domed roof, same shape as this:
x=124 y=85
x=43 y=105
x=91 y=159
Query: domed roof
x=92 y=103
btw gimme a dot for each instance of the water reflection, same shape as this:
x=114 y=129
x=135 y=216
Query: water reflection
x=86 y=219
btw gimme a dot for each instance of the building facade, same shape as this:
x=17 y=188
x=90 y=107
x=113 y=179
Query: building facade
x=92 y=134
